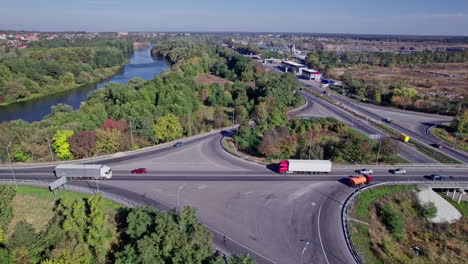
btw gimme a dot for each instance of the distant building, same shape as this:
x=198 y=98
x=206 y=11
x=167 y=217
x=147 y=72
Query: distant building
x=122 y=33
x=3 y=36
x=294 y=67
x=311 y=74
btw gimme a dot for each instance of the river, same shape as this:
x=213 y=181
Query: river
x=141 y=65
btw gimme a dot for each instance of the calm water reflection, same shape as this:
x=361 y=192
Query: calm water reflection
x=141 y=65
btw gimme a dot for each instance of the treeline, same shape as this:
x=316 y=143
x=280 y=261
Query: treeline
x=171 y=106
x=399 y=95
x=42 y=71
x=323 y=60
x=321 y=139
x=85 y=231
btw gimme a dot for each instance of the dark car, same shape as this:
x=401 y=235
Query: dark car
x=139 y=171
x=437 y=146
x=388 y=120
x=435 y=177
x=179 y=144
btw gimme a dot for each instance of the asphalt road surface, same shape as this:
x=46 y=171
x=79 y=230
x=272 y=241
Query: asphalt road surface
x=268 y=215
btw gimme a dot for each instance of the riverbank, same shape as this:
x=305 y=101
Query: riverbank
x=106 y=73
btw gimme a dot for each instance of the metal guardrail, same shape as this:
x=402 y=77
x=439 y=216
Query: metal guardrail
x=110 y=196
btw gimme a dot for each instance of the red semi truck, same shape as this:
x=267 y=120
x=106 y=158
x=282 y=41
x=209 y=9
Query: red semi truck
x=359 y=180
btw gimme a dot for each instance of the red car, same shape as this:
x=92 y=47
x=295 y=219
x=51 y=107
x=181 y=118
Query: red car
x=139 y=171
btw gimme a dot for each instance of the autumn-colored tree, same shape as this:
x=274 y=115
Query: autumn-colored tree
x=107 y=141
x=407 y=94
x=268 y=146
x=167 y=128
x=110 y=124
x=82 y=144
x=61 y=145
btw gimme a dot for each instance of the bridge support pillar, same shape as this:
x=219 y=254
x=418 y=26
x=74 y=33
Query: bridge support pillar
x=461 y=194
x=448 y=191
x=453 y=194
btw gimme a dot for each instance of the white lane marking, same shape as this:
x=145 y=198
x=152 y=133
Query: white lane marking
x=320 y=237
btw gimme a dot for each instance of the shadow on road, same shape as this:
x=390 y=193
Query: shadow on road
x=273 y=167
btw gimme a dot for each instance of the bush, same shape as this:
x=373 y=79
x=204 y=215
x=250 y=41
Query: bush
x=393 y=221
x=429 y=210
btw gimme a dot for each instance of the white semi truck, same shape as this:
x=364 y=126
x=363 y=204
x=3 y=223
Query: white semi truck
x=305 y=166
x=83 y=171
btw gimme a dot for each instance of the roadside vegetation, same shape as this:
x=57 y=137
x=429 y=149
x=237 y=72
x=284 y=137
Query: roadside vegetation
x=50 y=68
x=325 y=138
x=85 y=229
x=394 y=229
x=428 y=81
x=176 y=104
x=455 y=134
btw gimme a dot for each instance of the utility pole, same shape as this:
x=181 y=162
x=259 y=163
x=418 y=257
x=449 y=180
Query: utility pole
x=459 y=121
x=310 y=143
x=50 y=147
x=233 y=115
x=11 y=165
x=131 y=135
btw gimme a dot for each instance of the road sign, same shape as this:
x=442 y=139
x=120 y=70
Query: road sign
x=374 y=136
x=59 y=182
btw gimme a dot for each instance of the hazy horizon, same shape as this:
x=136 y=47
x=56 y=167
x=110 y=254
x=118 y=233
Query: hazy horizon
x=398 y=17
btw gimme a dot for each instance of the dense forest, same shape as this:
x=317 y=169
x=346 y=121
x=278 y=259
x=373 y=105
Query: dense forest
x=168 y=107
x=56 y=65
x=88 y=230
x=322 y=60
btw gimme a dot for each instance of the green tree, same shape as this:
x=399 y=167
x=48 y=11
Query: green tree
x=60 y=144
x=460 y=123
x=167 y=128
x=242 y=259
x=7 y=193
x=67 y=79
x=97 y=231
x=408 y=94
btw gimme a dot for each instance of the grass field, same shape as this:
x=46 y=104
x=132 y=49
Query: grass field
x=396 y=224
x=35 y=206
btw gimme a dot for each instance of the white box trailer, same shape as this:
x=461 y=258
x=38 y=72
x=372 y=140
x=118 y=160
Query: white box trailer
x=305 y=166
x=92 y=171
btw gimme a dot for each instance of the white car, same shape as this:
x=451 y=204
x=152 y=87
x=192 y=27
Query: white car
x=365 y=171
x=399 y=171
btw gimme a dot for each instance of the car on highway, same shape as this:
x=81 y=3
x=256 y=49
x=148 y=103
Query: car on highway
x=179 y=144
x=436 y=177
x=437 y=146
x=388 y=120
x=398 y=171
x=364 y=171
x=139 y=171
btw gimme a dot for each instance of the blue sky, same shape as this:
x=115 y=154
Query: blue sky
x=422 y=17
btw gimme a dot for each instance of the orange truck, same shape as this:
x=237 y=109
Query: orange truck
x=359 y=180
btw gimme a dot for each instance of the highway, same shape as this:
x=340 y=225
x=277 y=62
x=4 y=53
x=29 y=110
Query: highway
x=317 y=107
x=275 y=218
x=414 y=124
x=269 y=215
